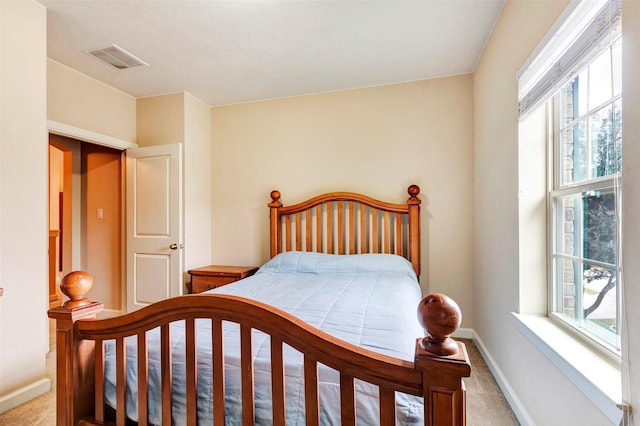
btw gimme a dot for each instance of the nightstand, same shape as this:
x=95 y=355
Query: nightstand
x=212 y=276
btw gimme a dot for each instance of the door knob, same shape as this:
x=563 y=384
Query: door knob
x=173 y=246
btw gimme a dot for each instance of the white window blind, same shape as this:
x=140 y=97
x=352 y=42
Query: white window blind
x=571 y=43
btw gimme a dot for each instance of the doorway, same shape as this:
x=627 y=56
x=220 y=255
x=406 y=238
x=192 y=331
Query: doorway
x=85 y=218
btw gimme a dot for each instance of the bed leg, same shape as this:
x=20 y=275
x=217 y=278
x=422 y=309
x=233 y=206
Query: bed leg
x=442 y=361
x=74 y=357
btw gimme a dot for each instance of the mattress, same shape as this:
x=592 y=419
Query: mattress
x=369 y=300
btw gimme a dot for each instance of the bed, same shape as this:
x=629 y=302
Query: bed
x=332 y=329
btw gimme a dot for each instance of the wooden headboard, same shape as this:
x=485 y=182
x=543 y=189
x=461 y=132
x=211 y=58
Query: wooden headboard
x=347 y=223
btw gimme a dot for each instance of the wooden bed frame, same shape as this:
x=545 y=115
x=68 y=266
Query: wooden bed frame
x=319 y=224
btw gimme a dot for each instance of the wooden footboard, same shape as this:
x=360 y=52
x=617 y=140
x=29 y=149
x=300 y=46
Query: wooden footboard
x=436 y=373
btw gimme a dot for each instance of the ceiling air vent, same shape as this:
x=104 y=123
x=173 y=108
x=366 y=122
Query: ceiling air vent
x=116 y=57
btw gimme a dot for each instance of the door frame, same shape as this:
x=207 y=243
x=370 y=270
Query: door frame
x=83 y=135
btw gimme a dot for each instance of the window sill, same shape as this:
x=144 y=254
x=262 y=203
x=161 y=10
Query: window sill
x=595 y=375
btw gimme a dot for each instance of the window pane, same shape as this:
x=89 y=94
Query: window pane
x=602 y=161
x=568 y=211
x=616 y=53
x=587 y=225
x=589 y=298
x=582 y=92
x=569 y=102
x=617 y=135
x=600 y=89
x=599 y=226
x=574 y=163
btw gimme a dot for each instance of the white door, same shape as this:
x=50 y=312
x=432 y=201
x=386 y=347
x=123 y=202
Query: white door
x=154 y=224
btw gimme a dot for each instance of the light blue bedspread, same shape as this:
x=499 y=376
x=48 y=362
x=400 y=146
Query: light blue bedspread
x=369 y=300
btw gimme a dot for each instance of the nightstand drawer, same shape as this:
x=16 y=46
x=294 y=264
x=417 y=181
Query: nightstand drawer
x=209 y=277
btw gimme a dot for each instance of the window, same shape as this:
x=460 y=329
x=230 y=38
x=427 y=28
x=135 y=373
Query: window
x=585 y=199
x=576 y=73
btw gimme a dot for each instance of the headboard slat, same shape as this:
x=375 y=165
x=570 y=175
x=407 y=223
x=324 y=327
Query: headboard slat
x=330 y=228
x=363 y=228
x=308 y=230
x=399 y=237
x=374 y=231
x=298 y=219
x=352 y=228
x=387 y=233
x=288 y=232
x=340 y=228
x=318 y=229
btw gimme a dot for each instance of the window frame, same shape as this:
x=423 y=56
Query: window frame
x=557 y=190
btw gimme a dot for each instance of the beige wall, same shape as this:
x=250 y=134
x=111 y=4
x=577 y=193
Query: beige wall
x=197 y=183
x=23 y=202
x=376 y=141
x=80 y=101
x=160 y=120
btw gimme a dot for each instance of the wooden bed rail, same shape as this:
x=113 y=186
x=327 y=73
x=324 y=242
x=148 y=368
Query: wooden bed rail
x=348 y=223
x=436 y=374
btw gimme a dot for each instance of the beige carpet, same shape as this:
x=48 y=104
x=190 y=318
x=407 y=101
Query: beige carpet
x=486 y=405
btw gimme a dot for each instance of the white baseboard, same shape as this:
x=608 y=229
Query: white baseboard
x=463 y=333
x=512 y=399
x=24 y=394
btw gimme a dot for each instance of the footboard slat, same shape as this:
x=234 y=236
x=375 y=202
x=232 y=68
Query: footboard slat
x=311 y=401
x=387 y=407
x=246 y=367
x=99 y=374
x=167 y=373
x=191 y=371
x=217 y=354
x=347 y=400
x=143 y=380
x=121 y=381
x=277 y=382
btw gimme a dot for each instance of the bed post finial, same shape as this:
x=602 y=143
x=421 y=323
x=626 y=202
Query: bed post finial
x=413 y=191
x=275 y=197
x=440 y=316
x=75 y=285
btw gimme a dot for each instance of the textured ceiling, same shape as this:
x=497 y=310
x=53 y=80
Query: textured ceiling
x=226 y=52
